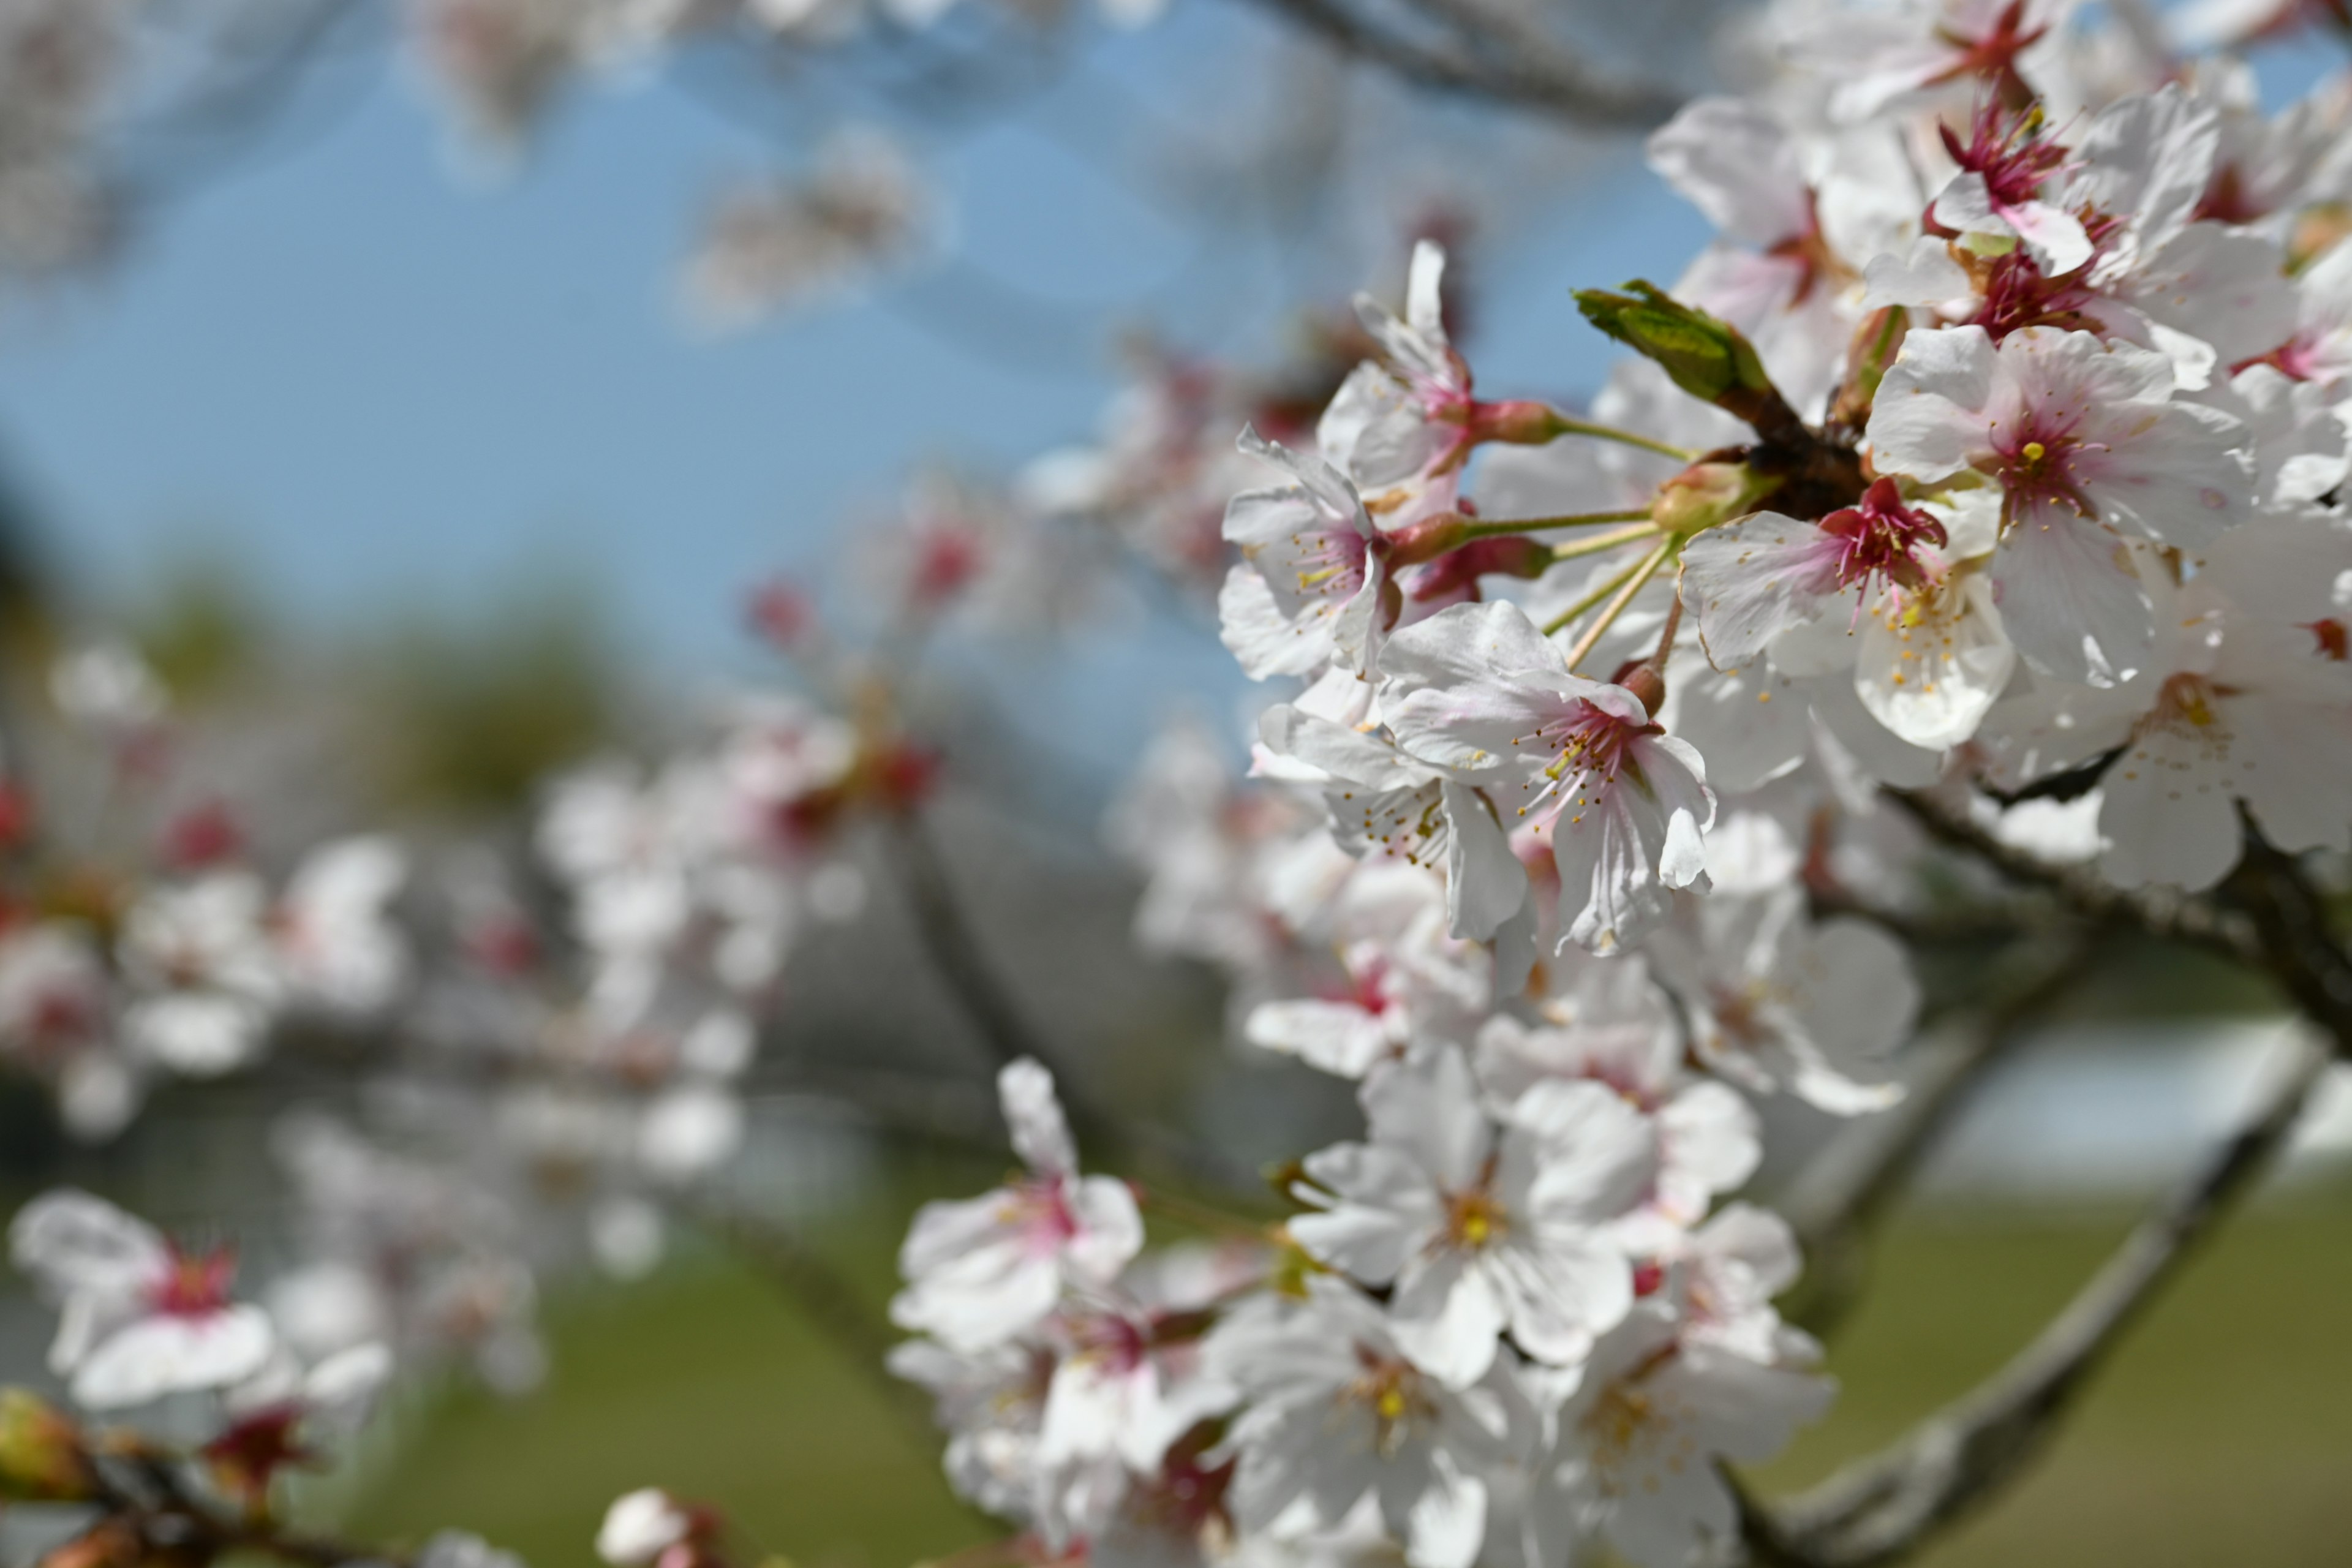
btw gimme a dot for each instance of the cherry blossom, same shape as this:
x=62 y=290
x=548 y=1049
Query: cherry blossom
x=982 y=1269
x=1478 y=692
x=1479 y=1231
x=139 y=1317
x=2089 y=448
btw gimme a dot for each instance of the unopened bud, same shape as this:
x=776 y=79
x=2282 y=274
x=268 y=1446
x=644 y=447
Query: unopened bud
x=1647 y=683
x=1707 y=494
x=1706 y=357
x=1518 y=422
x=42 y=1458
x=1424 y=541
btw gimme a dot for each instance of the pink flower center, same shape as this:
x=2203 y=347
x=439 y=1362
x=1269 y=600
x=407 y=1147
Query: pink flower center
x=1881 y=537
x=194 y=1284
x=1591 y=747
x=1331 y=560
x=1118 y=1342
x=2035 y=463
x=2007 y=151
x=1041 y=1210
x=1992 y=55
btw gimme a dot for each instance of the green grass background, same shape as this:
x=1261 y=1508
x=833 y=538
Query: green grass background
x=2219 y=1438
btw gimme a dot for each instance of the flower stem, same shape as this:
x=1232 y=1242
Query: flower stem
x=1560 y=622
x=1604 y=542
x=1641 y=573
x=1666 y=634
x=1501 y=526
x=1568 y=427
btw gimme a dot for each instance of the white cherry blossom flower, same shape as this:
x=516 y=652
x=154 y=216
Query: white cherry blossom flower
x=1639 y=1442
x=1309 y=590
x=2088 y=446
x=982 y=1269
x=1777 y=1001
x=1333 y=1412
x=1705 y=1135
x=1478 y=692
x=1480 y=1230
x=138 y=1318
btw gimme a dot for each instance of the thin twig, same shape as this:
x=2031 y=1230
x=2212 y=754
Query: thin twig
x=956 y=954
x=1645 y=569
x=1550 y=81
x=2192 y=922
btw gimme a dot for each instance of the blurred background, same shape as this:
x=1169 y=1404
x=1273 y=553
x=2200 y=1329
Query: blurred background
x=423 y=461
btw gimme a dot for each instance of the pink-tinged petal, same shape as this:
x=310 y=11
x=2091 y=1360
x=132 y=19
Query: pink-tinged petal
x=1331 y=1037
x=1445 y=1315
x=1930 y=664
x=1108 y=1230
x=1428 y=1107
x=1733 y=162
x=1926 y=276
x=2053 y=235
x=2166 y=813
x=2174 y=474
x=1253 y=627
x=1928 y=419
x=2070 y=598
x=1749 y=724
x=2300 y=756
x=1560 y=1294
x=1593 y=1154
x=1708 y=1144
x=1674 y=777
x=1484 y=882
x=1749 y=582
x=1446 y=1525
x=1386 y=1211
x=171 y=1354
x=1041 y=1134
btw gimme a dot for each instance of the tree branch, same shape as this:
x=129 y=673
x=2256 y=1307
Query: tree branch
x=2167 y=917
x=2292 y=942
x=1839 y=1198
x=1882 y=1508
x=955 y=952
x=1549 y=80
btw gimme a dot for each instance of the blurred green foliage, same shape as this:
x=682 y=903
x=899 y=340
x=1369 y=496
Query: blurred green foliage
x=478 y=704
x=2222 y=1434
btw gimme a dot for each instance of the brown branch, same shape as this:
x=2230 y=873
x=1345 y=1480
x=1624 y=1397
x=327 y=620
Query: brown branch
x=1550 y=80
x=2294 y=944
x=2167 y=917
x=1882 y=1508
x=956 y=952
x=1837 y=1201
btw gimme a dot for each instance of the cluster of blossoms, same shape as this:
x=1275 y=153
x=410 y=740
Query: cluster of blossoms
x=1993 y=454
x=1987 y=470
x=138 y=936
x=212 y=1400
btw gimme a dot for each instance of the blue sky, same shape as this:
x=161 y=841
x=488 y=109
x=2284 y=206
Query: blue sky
x=362 y=380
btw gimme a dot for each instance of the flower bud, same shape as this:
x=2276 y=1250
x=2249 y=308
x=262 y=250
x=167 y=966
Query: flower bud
x=1707 y=494
x=1708 y=358
x=41 y=1454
